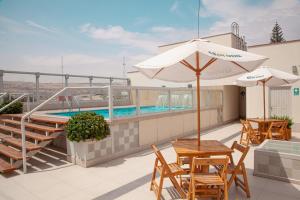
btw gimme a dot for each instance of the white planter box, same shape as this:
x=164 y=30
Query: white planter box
x=85 y=153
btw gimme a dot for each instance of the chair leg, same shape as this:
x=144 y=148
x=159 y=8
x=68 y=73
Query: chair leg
x=225 y=191
x=177 y=186
x=219 y=194
x=154 y=174
x=232 y=178
x=245 y=181
x=160 y=187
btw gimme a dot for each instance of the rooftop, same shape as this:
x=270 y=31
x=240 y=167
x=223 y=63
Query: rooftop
x=128 y=177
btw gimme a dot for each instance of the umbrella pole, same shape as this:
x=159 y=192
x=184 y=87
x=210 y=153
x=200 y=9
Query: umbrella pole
x=198 y=106
x=264 y=96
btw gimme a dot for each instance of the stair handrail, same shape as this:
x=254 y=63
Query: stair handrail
x=28 y=114
x=14 y=101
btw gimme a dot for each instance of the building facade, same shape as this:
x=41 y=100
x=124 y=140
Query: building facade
x=248 y=102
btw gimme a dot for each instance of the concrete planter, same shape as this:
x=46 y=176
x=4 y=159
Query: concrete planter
x=85 y=153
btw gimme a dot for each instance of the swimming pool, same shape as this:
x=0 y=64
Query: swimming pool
x=125 y=112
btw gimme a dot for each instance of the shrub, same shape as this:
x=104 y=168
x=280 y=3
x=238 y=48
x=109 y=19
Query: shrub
x=87 y=125
x=284 y=117
x=14 y=108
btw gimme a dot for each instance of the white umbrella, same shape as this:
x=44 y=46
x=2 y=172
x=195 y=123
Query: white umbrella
x=197 y=59
x=266 y=76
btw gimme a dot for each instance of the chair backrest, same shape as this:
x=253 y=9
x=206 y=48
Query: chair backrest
x=279 y=127
x=161 y=158
x=246 y=131
x=222 y=162
x=242 y=149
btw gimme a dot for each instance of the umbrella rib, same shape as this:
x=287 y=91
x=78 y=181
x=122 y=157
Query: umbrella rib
x=157 y=72
x=240 y=66
x=188 y=65
x=286 y=81
x=208 y=63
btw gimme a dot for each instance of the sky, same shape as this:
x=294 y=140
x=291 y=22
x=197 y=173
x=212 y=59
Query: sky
x=93 y=36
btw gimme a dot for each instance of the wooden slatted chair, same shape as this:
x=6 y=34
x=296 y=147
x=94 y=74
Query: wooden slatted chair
x=249 y=134
x=209 y=184
x=278 y=130
x=239 y=168
x=166 y=171
x=244 y=140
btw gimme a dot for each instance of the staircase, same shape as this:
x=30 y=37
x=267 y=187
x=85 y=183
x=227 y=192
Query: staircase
x=40 y=131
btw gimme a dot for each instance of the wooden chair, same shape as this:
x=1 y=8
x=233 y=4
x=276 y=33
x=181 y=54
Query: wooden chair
x=249 y=134
x=279 y=130
x=211 y=184
x=239 y=169
x=166 y=171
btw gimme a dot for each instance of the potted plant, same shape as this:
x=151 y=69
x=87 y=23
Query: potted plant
x=289 y=126
x=84 y=131
x=14 y=108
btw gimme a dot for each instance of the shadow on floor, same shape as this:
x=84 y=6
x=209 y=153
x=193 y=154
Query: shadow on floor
x=113 y=194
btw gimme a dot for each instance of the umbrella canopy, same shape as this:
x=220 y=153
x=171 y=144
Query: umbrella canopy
x=266 y=76
x=180 y=63
x=199 y=58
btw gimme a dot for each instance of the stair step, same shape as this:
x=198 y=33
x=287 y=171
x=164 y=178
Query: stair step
x=33 y=126
x=29 y=134
x=5 y=166
x=17 y=142
x=44 y=119
x=10 y=152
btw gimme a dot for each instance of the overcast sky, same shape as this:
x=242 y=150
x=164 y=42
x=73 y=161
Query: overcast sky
x=93 y=36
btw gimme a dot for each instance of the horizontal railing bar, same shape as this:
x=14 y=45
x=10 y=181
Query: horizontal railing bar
x=69 y=75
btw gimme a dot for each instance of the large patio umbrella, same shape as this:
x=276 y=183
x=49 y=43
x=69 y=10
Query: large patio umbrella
x=197 y=59
x=266 y=76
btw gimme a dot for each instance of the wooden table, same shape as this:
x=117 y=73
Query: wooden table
x=263 y=124
x=207 y=148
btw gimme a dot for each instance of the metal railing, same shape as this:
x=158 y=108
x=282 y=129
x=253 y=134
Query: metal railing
x=28 y=114
x=15 y=100
x=67 y=91
x=65 y=80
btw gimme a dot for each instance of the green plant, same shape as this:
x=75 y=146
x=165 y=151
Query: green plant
x=87 y=125
x=284 y=117
x=14 y=108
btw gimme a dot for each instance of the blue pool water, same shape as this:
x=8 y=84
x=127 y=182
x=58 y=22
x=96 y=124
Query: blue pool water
x=124 y=112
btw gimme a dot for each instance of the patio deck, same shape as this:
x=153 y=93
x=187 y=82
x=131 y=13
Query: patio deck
x=129 y=177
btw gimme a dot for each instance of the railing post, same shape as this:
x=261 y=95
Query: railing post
x=1 y=81
x=91 y=85
x=169 y=99
x=37 y=86
x=137 y=102
x=110 y=103
x=67 y=76
x=23 y=146
x=27 y=103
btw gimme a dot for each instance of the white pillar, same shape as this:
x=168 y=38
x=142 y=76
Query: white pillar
x=137 y=101
x=37 y=87
x=67 y=80
x=169 y=99
x=110 y=103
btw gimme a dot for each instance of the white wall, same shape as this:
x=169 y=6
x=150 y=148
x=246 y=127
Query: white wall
x=282 y=56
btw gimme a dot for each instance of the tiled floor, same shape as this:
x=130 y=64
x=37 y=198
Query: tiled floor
x=128 y=178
